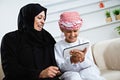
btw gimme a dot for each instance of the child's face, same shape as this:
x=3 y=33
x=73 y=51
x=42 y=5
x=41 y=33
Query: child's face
x=71 y=35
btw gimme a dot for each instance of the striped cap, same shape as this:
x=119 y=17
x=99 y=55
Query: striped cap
x=70 y=20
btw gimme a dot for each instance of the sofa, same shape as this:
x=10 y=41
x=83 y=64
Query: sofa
x=1 y=72
x=106 y=55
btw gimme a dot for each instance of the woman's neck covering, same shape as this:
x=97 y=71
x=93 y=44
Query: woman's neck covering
x=70 y=20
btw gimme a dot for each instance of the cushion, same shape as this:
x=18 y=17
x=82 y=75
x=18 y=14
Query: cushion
x=1 y=72
x=111 y=74
x=107 y=54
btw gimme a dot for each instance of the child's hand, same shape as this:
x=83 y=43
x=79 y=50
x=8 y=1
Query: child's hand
x=77 y=55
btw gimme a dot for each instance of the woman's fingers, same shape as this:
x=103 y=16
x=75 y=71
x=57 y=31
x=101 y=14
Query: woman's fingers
x=50 y=72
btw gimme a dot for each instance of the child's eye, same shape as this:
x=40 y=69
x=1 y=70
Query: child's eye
x=75 y=31
x=68 y=31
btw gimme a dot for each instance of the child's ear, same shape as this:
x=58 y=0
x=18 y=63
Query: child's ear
x=61 y=29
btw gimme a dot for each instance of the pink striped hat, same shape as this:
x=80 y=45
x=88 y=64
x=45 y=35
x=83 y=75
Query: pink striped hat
x=70 y=20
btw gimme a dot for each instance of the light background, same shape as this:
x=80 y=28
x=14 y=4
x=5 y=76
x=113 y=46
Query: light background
x=94 y=27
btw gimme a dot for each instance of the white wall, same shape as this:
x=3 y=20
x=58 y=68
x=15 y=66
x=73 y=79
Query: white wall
x=94 y=26
x=9 y=10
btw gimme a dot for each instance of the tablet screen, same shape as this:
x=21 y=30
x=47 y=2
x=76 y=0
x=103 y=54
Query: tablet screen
x=66 y=52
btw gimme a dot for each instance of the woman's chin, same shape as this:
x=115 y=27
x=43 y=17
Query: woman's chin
x=38 y=29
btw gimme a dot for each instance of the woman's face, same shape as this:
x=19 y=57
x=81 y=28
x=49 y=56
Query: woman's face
x=39 y=21
x=71 y=35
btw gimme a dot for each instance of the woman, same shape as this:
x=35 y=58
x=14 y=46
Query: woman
x=28 y=53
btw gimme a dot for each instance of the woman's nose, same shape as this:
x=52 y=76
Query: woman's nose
x=43 y=21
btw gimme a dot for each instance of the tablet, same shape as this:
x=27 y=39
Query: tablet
x=66 y=51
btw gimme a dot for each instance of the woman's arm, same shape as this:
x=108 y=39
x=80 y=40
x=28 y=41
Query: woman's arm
x=11 y=67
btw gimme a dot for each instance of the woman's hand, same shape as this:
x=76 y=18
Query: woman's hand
x=50 y=72
x=77 y=55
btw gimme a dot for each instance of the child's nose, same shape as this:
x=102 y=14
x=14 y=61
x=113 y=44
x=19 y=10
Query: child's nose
x=72 y=33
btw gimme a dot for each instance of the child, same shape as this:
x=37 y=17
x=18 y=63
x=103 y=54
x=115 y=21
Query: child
x=80 y=65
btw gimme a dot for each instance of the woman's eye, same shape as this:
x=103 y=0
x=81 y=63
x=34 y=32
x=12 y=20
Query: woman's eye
x=39 y=17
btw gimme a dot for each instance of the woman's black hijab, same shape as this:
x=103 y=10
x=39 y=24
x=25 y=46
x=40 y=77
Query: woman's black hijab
x=26 y=24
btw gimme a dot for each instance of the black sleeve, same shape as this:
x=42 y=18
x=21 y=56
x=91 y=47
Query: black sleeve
x=11 y=68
